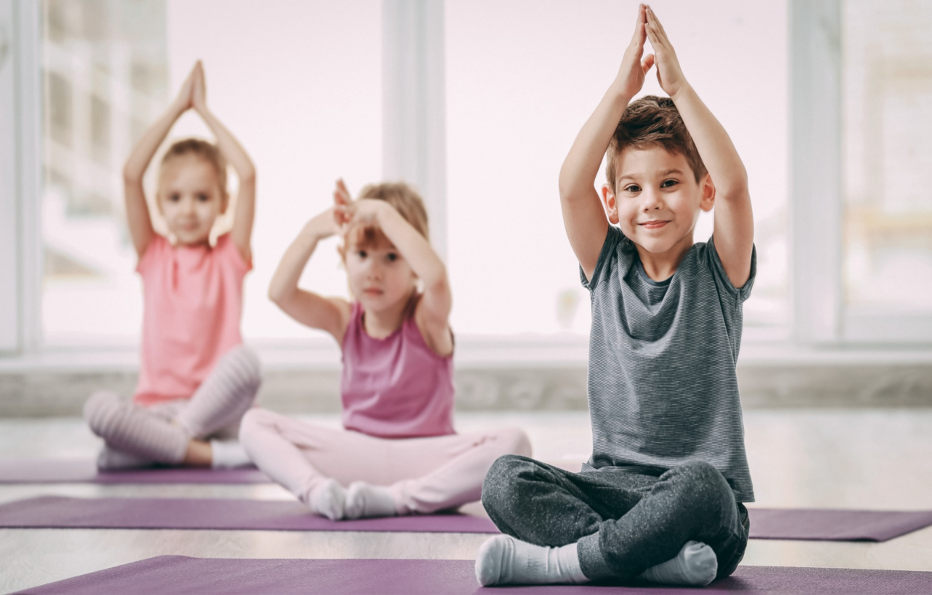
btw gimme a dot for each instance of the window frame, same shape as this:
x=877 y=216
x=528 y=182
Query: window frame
x=414 y=100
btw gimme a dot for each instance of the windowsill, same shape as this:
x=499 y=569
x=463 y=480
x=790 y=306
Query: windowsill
x=477 y=353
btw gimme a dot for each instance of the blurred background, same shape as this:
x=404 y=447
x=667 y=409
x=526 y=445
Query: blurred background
x=475 y=102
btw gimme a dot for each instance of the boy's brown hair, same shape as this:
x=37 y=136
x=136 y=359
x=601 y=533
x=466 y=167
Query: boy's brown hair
x=204 y=150
x=403 y=199
x=651 y=121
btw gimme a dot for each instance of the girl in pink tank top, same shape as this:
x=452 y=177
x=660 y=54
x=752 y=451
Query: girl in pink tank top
x=397 y=452
x=196 y=379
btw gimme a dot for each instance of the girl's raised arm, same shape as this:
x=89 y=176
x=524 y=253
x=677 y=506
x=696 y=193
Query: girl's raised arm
x=137 y=211
x=241 y=233
x=433 y=310
x=308 y=308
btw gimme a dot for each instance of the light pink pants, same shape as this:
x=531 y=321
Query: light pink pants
x=424 y=474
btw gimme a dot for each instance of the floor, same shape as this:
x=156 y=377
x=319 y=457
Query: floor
x=866 y=458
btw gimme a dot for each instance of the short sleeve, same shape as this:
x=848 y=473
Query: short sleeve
x=721 y=277
x=612 y=237
x=156 y=249
x=230 y=253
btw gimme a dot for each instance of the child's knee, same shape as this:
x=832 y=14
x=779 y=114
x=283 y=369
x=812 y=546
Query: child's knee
x=500 y=478
x=254 y=422
x=708 y=490
x=515 y=442
x=99 y=408
x=248 y=366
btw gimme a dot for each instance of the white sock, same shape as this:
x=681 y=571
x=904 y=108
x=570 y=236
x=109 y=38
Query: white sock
x=228 y=455
x=695 y=566
x=504 y=560
x=111 y=459
x=366 y=500
x=328 y=499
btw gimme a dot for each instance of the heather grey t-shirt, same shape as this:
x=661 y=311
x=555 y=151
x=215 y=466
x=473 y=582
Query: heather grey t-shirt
x=662 y=384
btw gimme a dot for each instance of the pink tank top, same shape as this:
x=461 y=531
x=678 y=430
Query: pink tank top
x=396 y=387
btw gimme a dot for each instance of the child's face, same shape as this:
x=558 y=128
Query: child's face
x=190 y=198
x=656 y=200
x=379 y=277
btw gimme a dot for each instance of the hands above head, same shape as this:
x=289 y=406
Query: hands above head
x=193 y=92
x=634 y=65
x=199 y=89
x=347 y=211
x=669 y=74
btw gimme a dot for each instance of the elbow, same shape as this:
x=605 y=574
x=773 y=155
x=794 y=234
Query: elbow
x=247 y=176
x=131 y=176
x=276 y=294
x=437 y=283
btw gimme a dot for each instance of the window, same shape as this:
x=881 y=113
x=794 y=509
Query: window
x=887 y=85
x=303 y=96
x=517 y=94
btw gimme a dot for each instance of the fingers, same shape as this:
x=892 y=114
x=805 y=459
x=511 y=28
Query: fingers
x=639 y=36
x=340 y=194
x=655 y=31
x=647 y=63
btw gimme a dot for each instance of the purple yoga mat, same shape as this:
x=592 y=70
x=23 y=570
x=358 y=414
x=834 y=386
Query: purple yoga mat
x=835 y=525
x=212 y=513
x=85 y=471
x=179 y=574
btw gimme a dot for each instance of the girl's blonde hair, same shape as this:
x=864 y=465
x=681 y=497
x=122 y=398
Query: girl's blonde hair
x=204 y=150
x=403 y=199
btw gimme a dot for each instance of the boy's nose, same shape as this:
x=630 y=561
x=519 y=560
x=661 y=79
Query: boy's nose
x=651 y=201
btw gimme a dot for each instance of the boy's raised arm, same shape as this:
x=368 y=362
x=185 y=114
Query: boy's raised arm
x=733 y=217
x=137 y=210
x=583 y=215
x=241 y=233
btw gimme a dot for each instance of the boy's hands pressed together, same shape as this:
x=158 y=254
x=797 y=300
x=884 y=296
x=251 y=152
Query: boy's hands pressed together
x=634 y=67
x=669 y=74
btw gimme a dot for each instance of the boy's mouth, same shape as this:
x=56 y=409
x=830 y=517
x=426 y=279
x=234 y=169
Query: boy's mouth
x=653 y=224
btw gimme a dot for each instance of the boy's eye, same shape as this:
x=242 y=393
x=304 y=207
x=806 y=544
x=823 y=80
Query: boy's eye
x=174 y=197
x=391 y=256
x=669 y=183
x=361 y=253
x=202 y=197
x=632 y=188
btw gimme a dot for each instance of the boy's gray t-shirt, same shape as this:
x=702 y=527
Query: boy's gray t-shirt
x=662 y=383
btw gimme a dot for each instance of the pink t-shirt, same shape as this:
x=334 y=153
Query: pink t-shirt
x=192 y=304
x=396 y=387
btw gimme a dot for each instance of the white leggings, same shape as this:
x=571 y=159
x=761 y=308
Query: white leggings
x=424 y=474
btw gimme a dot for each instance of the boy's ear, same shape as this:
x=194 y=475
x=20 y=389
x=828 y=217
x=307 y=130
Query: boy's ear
x=608 y=200
x=707 y=199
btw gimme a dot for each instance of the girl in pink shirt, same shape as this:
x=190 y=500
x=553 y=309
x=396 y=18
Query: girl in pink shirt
x=196 y=379
x=398 y=452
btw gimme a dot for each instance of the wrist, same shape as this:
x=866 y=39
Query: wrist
x=682 y=90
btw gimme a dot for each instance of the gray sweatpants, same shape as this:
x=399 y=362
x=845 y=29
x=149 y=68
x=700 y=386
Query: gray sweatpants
x=624 y=521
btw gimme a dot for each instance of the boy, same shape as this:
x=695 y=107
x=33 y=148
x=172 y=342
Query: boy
x=661 y=498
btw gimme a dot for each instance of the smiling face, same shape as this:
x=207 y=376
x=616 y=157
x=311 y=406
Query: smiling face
x=190 y=198
x=656 y=200
x=379 y=277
